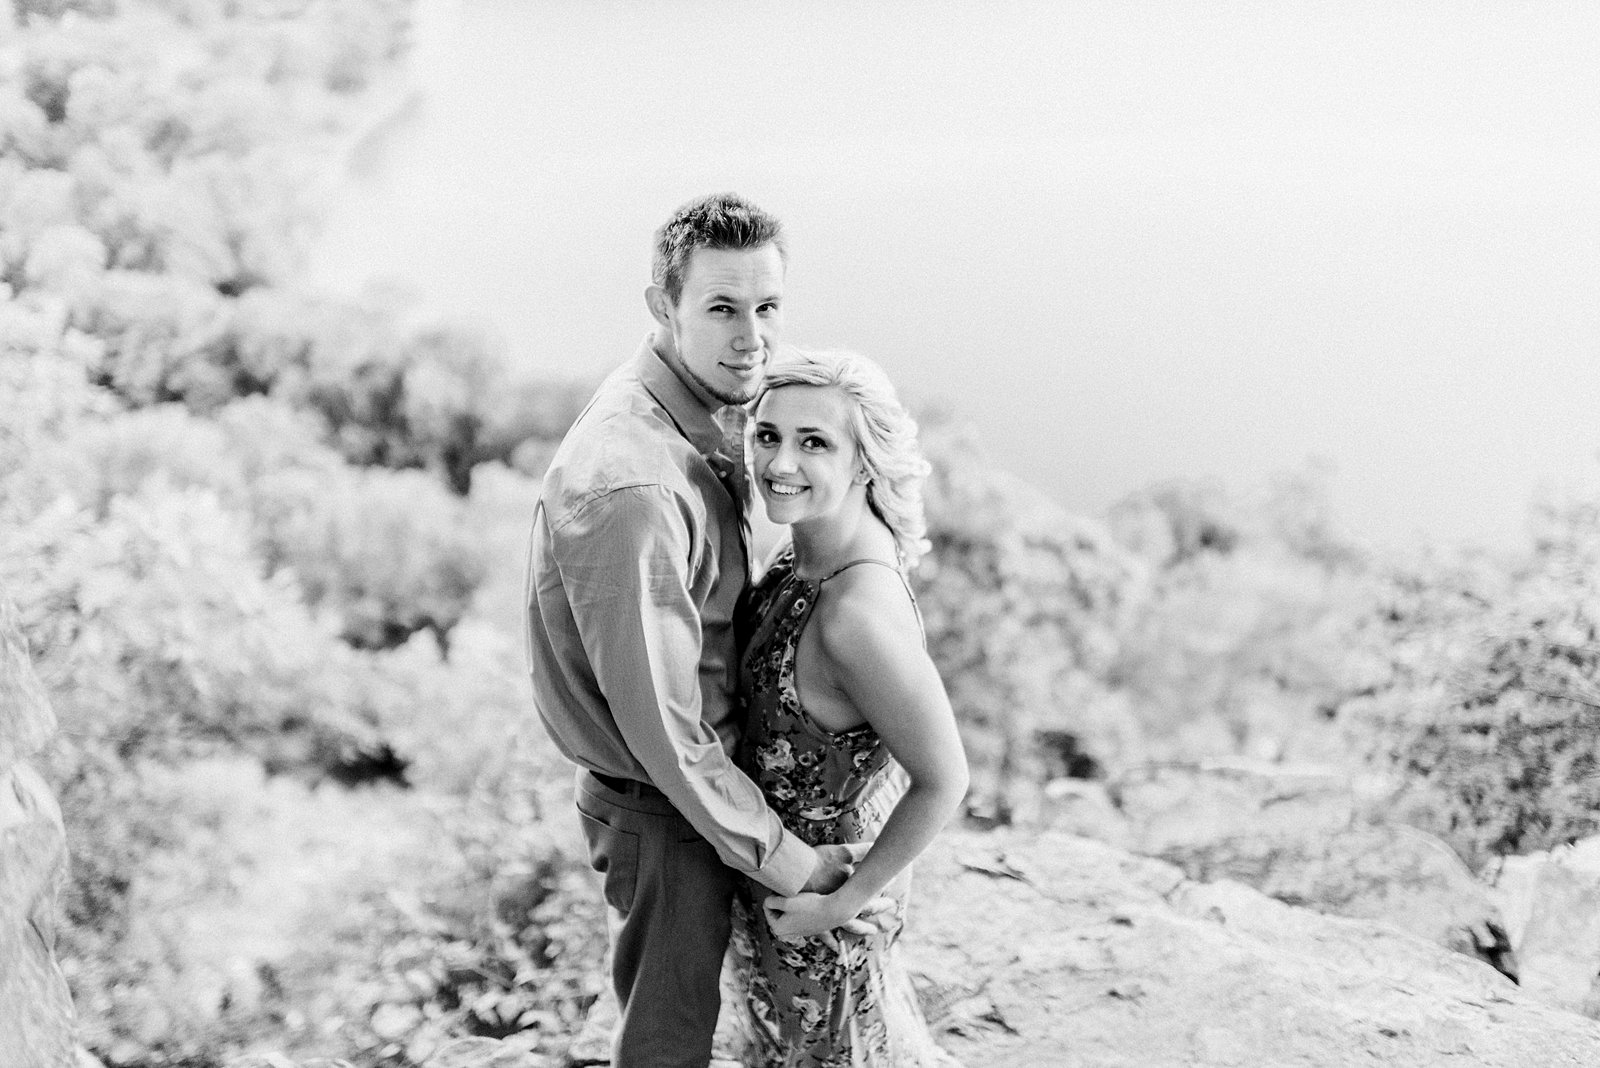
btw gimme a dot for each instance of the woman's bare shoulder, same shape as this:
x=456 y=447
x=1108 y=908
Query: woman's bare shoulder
x=863 y=610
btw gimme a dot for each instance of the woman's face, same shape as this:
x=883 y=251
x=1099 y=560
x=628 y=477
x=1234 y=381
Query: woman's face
x=805 y=454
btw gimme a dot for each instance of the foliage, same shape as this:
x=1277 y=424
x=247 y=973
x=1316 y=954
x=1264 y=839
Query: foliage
x=160 y=172
x=1489 y=707
x=266 y=914
x=235 y=520
x=1241 y=648
x=1023 y=604
x=506 y=941
x=266 y=546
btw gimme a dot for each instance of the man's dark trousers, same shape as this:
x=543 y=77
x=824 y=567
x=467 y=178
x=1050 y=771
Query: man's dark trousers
x=670 y=898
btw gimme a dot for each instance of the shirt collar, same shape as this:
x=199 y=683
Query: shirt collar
x=662 y=382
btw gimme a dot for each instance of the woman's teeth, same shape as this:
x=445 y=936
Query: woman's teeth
x=784 y=491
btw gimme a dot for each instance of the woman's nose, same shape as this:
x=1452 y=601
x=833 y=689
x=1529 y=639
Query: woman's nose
x=783 y=459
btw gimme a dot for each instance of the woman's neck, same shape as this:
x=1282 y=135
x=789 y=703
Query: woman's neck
x=822 y=546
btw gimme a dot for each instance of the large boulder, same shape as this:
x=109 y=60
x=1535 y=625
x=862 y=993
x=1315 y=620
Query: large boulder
x=1553 y=902
x=36 y=1018
x=1176 y=806
x=1033 y=950
x=1297 y=835
x=1056 y=950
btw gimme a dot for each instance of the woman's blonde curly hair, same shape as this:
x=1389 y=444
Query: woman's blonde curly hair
x=886 y=436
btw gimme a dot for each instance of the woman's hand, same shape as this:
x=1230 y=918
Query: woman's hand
x=817 y=915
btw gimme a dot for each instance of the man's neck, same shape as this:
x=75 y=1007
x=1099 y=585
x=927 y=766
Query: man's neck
x=667 y=354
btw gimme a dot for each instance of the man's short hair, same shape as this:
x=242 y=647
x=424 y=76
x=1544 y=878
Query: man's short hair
x=721 y=221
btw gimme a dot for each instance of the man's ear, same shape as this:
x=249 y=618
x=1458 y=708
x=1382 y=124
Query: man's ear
x=660 y=305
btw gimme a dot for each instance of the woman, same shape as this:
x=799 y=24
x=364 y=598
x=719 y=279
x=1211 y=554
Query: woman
x=850 y=733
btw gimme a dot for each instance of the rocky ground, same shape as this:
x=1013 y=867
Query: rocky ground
x=1057 y=950
x=1053 y=948
x=35 y=1007
x=1195 y=917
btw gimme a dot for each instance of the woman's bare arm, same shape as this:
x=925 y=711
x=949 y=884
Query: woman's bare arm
x=871 y=648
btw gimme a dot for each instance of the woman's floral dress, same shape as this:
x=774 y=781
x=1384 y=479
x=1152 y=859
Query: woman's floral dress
x=811 y=1004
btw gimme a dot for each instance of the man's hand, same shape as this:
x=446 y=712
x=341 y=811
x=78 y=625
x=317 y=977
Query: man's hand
x=835 y=863
x=825 y=916
x=805 y=916
x=877 y=917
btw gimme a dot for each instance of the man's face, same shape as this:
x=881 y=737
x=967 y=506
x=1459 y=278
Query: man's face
x=726 y=321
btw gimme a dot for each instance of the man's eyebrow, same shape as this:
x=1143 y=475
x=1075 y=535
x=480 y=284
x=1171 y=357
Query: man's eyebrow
x=720 y=296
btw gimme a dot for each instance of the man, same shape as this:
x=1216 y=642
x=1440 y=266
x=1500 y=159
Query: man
x=636 y=561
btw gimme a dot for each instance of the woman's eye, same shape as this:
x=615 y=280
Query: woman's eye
x=766 y=437
x=815 y=443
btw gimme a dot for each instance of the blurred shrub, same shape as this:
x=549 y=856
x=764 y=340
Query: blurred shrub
x=1177 y=520
x=188 y=542
x=1023 y=605
x=1243 y=647
x=381 y=554
x=505 y=938
x=1489 y=709
x=158 y=636
x=262 y=914
x=385 y=553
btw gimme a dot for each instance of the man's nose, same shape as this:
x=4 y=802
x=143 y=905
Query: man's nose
x=749 y=339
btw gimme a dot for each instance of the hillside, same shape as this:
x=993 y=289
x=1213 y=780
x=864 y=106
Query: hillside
x=262 y=549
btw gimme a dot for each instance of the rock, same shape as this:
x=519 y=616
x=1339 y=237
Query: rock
x=1084 y=808
x=1557 y=897
x=1290 y=833
x=1174 y=806
x=1398 y=875
x=1055 y=950
x=1050 y=949
x=26 y=721
x=36 y=1017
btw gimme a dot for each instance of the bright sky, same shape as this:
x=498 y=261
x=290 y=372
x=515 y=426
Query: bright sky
x=1130 y=241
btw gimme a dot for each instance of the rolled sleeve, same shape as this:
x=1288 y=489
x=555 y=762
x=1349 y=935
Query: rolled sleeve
x=631 y=562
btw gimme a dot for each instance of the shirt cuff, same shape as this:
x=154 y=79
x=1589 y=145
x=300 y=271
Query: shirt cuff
x=788 y=868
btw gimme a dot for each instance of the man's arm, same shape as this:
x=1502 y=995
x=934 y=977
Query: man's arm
x=625 y=561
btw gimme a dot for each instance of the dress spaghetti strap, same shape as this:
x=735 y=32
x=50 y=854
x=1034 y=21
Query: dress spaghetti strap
x=915 y=607
x=859 y=560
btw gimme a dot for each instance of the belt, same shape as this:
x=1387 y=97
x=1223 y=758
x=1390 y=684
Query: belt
x=631 y=787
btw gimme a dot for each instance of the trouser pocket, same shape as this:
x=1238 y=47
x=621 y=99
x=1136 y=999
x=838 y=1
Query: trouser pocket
x=613 y=852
